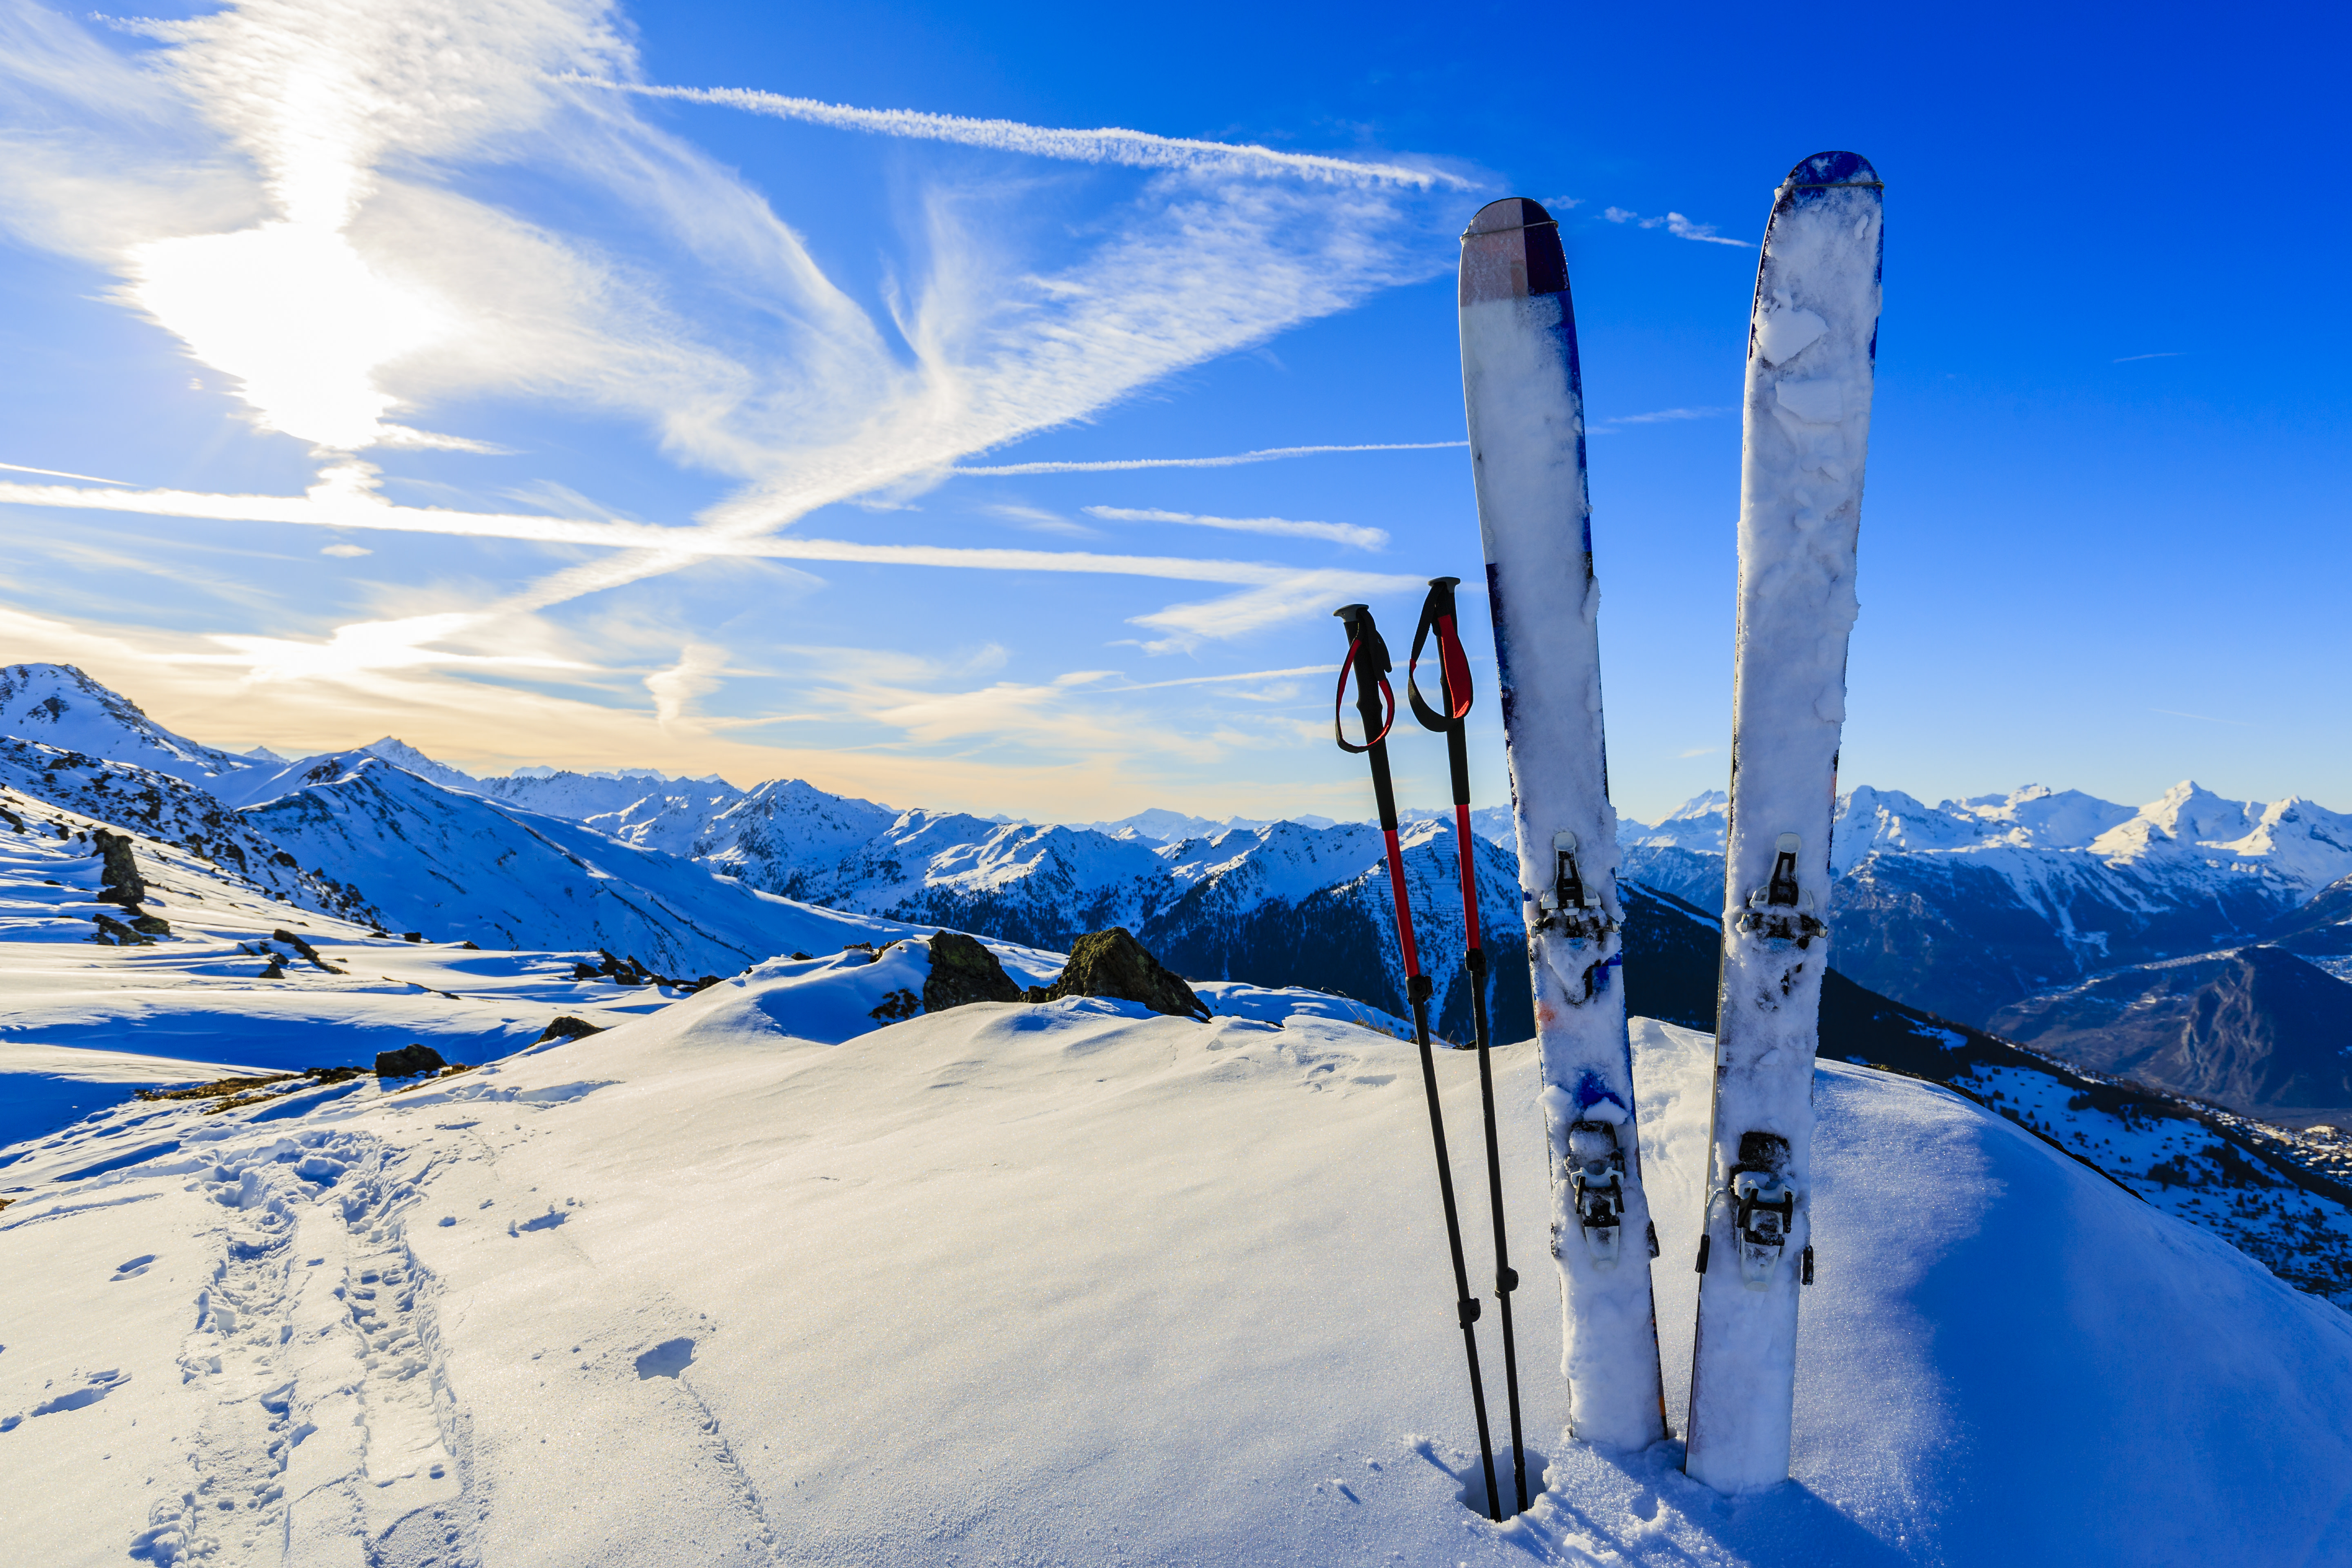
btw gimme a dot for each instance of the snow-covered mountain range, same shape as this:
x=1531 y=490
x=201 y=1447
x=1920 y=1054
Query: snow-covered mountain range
x=1970 y=910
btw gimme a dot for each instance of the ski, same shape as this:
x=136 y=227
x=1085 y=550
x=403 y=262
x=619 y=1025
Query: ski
x=1812 y=340
x=1525 y=401
x=1368 y=661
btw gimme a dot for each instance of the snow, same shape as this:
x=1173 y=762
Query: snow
x=57 y=705
x=1072 y=1284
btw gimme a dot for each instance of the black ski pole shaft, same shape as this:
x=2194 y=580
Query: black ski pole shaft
x=1368 y=659
x=1438 y=615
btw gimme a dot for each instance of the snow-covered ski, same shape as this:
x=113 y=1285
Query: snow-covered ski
x=1526 y=406
x=1811 y=342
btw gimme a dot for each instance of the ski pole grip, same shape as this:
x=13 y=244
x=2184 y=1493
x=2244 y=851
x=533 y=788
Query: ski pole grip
x=1505 y=1282
x=1467 y=1309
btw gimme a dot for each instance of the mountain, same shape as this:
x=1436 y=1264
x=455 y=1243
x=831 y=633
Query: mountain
x=57 y=705
x=456 y=866
x=37 y=780
x=585 y=796
x=2256 y=1029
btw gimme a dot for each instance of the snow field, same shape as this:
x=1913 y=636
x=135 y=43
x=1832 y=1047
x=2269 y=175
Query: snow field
x=1077 y=1283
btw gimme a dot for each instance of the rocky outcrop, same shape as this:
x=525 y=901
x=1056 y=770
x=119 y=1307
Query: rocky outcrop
x=964 y=971
x=120 y=874
x=408 y=1061
x=1113 y=963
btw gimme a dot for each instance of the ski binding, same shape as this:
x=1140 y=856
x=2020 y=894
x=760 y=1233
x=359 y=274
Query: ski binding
x=1598 y=1188
x=1570 y=908
x=1760 y=1227
x=1778 y=913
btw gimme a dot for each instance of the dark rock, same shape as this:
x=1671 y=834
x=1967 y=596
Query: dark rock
x=963 y=970
x=276 y=971
x=408 y=1061
x=568 y=1029
x=153 y=925
x=796 y=958
x=1113 y=963
x=1034 y=993
x=471 y=946
x=122 y=883
x=900 y=1003
x=304 y=948
x=334 y=1075
x=412 y=936
x=111 y=930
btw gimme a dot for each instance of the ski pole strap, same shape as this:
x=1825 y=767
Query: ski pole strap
x=1453 y=664
x=1403 y=908
x=1339 y=702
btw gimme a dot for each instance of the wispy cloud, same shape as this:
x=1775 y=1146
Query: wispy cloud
x=1037 y=519
x=1279 y=527
x=2167 y=354
x=299 y=213
x=1675 y=224
x=346 y=552
x=1108 y=144
x=1661 y=416
x=1269 y=455
x=1301 y=595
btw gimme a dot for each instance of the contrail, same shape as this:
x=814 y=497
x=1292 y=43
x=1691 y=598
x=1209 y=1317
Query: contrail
x=1269 y=455
x=60 y=474
x=681 y=544
x=1280 y=527
x=1109 y=144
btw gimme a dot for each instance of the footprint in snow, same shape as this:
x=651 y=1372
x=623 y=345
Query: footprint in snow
x=667 y=1359
x=98 y=1387
x=135 y=1268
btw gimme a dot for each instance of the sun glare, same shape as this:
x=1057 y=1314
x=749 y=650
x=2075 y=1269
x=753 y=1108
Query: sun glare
x=298 y=316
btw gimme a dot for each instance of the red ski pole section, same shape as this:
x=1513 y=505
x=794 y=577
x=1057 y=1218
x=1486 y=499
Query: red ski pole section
x=1469 y=874
x=1404 y=910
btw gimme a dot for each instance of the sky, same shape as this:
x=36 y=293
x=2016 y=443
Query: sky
x=983 y=408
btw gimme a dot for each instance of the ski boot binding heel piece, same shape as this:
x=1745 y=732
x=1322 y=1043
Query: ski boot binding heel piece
x=1778 y=913
x=1598 y=1188
x=1767 y=1208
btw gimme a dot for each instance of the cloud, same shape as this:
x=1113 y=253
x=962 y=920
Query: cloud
x=1303 y=595
x=1681 y=228
x=2167 y=354
x=1675 y=224
x=1039 y=521
x=1657 y=416
x=696 y=673
x=1269 y=455
x=346 y=551
x=1135 y=149
x=1279 y=527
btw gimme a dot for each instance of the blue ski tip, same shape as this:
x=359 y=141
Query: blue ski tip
x=1825 y=171
x=1510 y=251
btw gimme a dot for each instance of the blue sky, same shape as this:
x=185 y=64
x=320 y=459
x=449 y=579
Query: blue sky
x=402 y=343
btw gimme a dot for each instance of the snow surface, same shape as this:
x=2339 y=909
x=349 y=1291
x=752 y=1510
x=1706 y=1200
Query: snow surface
x=1072 y=1283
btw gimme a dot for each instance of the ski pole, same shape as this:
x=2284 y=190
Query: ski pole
x=1368 y=659
x=1453 y=689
